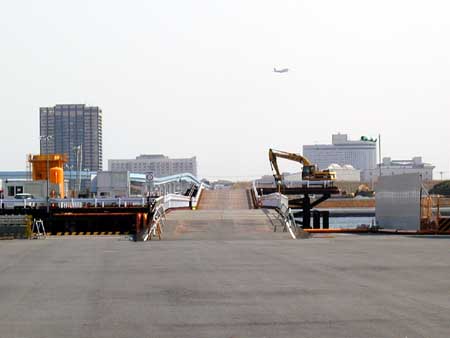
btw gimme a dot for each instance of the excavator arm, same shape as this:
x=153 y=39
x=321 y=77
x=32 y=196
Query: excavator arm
x=274 y=154
x=309 y=171
x=274 y=166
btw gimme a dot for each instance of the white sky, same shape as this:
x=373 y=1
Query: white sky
x=188 y=78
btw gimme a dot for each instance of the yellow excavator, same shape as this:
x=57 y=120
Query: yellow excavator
x=309 y=171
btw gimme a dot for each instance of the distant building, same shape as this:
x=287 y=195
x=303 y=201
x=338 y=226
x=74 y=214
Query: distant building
x=119 y=184
x=159 y=165
x=346 y=173
x=38 y=189
x=74 y=130
x=361 y=154
x=397 y=167
x=14 y=175
x=266 y=180
x=70 y=177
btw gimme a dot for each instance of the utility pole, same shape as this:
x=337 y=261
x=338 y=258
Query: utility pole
x=47 y=138
x=379 y=153
x=79 y=160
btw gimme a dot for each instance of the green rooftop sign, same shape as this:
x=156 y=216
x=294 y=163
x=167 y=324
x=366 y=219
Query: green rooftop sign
x=367 y=139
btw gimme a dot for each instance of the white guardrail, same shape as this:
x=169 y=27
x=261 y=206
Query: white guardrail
x=281 y=203
x=164 y=203
x=74 y=202
x=173 y=201
x=296 y=184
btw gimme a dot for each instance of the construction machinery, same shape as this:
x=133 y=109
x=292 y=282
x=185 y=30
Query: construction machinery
x=310 y=172
x=364 y=191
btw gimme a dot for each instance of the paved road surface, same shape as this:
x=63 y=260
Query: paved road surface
x=236 y=199
x=347 y=286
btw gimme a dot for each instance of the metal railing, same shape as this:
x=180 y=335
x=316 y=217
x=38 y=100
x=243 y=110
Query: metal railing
x=187 y=177
x=157 y=223
x=68 y=203
x=166 y=202
x=297 y=184
x=171 y=201
x=281 y=204
x=288 y=219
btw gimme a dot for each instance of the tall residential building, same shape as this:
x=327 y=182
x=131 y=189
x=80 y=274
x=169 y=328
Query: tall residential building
x=74 y=130
x=158 y=164
x=361 y=154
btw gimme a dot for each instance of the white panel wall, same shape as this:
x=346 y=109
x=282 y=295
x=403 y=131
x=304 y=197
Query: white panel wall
x=398 y=202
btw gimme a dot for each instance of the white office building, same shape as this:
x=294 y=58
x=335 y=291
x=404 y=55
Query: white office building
x=391 y=167
x=159 y=165
x=361 y=154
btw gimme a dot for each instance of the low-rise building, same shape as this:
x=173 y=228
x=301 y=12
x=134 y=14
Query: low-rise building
x=38 y=189
x=14 y=175
x=346 y=173
x=114 y=184
x=119 y=184
x=391 y=167
x=157 y=164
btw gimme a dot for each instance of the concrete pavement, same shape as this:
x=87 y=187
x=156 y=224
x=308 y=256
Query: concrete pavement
x=224 y=224
x=235 y=199
x=343 y=286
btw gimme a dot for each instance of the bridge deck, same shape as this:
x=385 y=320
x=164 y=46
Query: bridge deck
x=236 y=199
x=224 y=225
x=224 y=215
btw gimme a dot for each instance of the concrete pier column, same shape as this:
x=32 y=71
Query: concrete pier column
x=316 y=219
x=325 y=219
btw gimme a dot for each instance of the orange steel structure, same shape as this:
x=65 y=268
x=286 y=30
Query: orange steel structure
x=51 y=164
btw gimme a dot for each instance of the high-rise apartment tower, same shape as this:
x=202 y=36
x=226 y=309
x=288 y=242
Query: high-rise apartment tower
x=74 y=130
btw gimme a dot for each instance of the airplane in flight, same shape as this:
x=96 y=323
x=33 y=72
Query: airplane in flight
x=283 y=70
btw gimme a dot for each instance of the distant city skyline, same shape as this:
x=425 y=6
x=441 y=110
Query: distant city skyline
x=199 y=80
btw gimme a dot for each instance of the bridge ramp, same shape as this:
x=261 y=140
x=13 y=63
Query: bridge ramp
x=224 y=225
x=226 y=199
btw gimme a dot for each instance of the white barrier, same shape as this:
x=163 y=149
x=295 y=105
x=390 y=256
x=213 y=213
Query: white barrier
x=68 y=203
x=175 y=201
x=398 y=202
x=166 y=202
x=279 y=202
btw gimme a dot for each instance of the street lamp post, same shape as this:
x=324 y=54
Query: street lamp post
x=47 y=138
x=79 y=160
x=86 y=179
x=70 y=180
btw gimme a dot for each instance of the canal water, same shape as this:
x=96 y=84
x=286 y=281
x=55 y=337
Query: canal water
x=349 y=222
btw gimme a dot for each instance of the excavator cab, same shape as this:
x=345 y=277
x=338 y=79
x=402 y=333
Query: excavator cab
x=308 y=171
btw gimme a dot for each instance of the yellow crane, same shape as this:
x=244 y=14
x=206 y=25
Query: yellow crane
x=309 y=171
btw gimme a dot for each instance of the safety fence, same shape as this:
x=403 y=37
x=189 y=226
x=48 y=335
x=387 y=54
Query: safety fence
x=280 y=203
x=68 y=203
